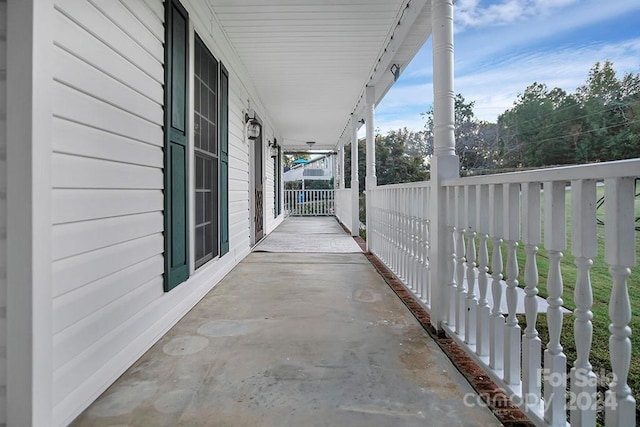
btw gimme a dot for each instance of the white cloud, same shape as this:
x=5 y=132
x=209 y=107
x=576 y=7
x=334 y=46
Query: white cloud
x=477 y=45
x=495 y=88
x=473 y=13
x=412 y=122
x=495 y=85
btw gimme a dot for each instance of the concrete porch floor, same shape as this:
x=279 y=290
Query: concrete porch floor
x=293 y=339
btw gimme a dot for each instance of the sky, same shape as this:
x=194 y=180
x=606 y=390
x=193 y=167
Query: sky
x=503 y=46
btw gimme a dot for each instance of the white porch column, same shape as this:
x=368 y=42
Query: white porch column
x=341 y=166
x=334 y=170
x=371 y=179
x=355 y=201
x=444 y=164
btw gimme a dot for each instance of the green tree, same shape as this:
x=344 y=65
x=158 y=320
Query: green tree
x=398 y=159
x=475 y=139
x=598 y=122
x=609 y=115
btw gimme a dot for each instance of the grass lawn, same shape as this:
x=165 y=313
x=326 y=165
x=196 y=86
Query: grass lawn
x=601 y=284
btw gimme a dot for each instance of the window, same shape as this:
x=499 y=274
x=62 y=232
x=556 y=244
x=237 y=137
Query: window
x=205 y=114
x=210 y=109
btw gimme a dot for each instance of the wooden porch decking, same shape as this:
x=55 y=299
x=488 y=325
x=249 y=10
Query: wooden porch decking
x=298 y=339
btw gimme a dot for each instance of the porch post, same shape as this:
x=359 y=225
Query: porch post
x=371 y=179
x=341 y=166
x=355 y=200
x=334 y=169
x=444 y=164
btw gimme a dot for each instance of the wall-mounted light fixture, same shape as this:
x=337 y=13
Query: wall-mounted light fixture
x=273 y=148
x=395 y=70
x=253 y=127
x=361 y=121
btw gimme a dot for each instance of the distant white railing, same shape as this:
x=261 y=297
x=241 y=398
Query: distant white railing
x=525 y=208
x=343 y=207
x=309 y=202
x=399 y=233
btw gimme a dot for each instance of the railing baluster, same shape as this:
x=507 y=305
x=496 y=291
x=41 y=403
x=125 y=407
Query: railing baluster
x=620 y=255
x=584 y=248
x=555 y=361
x=453 y=285
x=483 y=311
x=405 y=236
x=472 y=301
x=407 y=240
x=461 y=297
x=532 y=345
x=427 y=238
x=416 y=242
x=496 y=325
x=460 y=261
x=512 y=351
x=396 y=232
x=401 y=271
x=423 y=242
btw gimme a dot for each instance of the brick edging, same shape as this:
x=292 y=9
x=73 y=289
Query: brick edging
x=495 y=397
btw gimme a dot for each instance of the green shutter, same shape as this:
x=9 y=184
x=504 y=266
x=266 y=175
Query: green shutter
x=175 y=144
x=224 y=161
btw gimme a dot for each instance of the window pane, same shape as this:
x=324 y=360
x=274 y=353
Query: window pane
x=199 y=243
x=207 y=206
x=196 y=99
x=199 y=208
x=199 y=172
x=198 y=59
x=197 y=130
x=204 y=134
x=208 y=239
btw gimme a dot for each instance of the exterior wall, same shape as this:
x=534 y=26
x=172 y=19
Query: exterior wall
x=3 y=212
x=108 y=301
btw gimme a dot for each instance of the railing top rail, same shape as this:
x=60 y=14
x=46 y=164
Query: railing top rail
x=616 y=169
x=418 y=184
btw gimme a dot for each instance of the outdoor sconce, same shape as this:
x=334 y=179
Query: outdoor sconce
x=273 y=148
x=395 y=70
x=253 y=127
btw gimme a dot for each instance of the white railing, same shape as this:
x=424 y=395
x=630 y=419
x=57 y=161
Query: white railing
x=399 y=234
x=489 y=217
x=343 y=207
x=309 y=202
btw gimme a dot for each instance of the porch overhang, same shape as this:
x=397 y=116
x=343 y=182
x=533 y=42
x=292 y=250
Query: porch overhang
x=310 y=60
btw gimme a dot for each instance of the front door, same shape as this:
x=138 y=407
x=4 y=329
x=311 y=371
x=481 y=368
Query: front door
x=259 y=190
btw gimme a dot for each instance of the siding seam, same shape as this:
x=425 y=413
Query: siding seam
x=75 y=21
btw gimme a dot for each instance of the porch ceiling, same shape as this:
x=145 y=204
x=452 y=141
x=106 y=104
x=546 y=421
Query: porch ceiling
x=310 y=60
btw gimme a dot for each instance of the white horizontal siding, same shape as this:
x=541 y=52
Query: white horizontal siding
x=85 y=45
x=3 y=211
x=79 y=237
x=107 y=201
x=85 y=141
x=111 y=33
x=69 y=205
x=107 y=179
